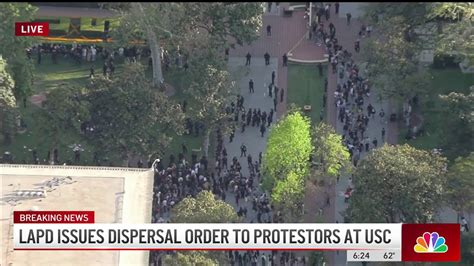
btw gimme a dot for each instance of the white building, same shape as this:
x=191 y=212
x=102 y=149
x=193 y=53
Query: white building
x=116 y=195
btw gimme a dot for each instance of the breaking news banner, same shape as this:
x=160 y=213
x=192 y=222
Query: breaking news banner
x=76 y=230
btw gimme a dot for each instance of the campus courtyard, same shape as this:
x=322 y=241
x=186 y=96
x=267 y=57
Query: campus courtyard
x=294 y=113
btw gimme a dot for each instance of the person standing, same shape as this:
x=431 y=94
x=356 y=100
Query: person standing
x=270 y=118
x=282 y=94
x=327 y=11
x=243 y=150
x=270 y=90
x=269 y=30
x=273 y=77
x=464 y=224
x=231 y=137
x=320 y=69
x=348 y=18
x=383 y=134
x=275 y=103
x=285 y=60
x=226 y=54
x=267 y=58
x=357 y=45
x=91 y=74
x=251 y=86
x=262 y=129
x=248 y=57
x=275 y=91
x=336 y=5
x=382 y=116
x=93 y=53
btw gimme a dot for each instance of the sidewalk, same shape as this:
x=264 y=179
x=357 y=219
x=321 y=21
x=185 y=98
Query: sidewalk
x=347 y=35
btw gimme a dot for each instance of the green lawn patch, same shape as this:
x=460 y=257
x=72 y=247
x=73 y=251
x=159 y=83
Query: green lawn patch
x=443 y=81
x=52 y=76
x=306 y=87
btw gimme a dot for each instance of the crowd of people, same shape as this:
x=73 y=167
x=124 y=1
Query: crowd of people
x=80 y=53
x=226 y=179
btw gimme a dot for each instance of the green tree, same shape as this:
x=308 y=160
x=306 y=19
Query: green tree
x=457 y=31
x=63 y=111
x=190 y=258
x=330 y=150
x=212 y=90
x=467 y=248
x=7 y=103
x=393 y=63
x=461 y=184
x=459 y=108
x=205 y=208
x=288 y=195
x=462 y=105
x=397 y=183
x=129 y=117
x=187 y=24
x=288 y=149
x=13 y=48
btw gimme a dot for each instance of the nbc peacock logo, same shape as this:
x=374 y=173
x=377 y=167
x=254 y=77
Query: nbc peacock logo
x=430 y=243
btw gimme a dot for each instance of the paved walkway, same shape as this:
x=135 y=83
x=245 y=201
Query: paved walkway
x=347 y=35
x=286 y=34
x=251 y=138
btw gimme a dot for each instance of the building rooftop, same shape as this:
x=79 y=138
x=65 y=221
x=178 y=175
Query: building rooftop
x=117 y=195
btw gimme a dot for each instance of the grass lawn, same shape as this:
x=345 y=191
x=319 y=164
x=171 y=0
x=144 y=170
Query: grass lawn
x=443 y=81
x=306 y=87
x=50 y=76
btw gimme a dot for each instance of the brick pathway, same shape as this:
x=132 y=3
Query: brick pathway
x=347 y=35
x=286 y=33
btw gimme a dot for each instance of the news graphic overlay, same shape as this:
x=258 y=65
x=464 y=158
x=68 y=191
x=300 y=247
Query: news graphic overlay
x=431 y=242
x=32 y=29
x=363 y=242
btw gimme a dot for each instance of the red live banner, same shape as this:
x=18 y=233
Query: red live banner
x=53 y=217
x=32 y=29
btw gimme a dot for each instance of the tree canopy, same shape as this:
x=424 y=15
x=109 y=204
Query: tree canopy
x=190 y=258
x=7 y=103
x=288 y=149
x=64 y=109
x=129 y=116
x=405 y=30
x=330 y=150
x=397 y=183
x=288 y=195
x=212 y=89
x=7 y=99
x=13 y=48
x=456 y=36
x=188 y=25
x=205 y=208
x=459 y=107
x=461 y=184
